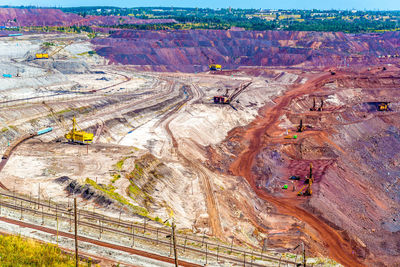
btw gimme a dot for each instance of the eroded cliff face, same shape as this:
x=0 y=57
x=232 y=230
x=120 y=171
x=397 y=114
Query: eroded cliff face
x=193 y=50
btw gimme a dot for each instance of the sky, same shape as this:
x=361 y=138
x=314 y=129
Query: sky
x=265 y=4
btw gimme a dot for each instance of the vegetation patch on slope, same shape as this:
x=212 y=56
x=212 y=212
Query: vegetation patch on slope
x=18 y=251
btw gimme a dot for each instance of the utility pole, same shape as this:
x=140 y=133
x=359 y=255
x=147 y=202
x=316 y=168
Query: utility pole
x=304 y=255
x=174 y=240
x=76 y=235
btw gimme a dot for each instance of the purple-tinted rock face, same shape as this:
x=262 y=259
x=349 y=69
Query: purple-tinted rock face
x=193 y=50
x=36 y=17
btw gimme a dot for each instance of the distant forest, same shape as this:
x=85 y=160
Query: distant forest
x=349 y=21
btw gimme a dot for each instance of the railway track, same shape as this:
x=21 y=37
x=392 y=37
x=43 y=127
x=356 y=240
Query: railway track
x=116 y=228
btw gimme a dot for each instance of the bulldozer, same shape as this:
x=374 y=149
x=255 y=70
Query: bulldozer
x=78 y=136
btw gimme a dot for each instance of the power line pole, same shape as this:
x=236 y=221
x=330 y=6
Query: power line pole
x=174 y=240
x=76 y=235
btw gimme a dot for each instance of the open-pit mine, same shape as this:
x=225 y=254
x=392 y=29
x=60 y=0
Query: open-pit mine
x=300 y=149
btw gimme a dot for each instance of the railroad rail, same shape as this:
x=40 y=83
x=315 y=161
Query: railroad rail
x=143 y=234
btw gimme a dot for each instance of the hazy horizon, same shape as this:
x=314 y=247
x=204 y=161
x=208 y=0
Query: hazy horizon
x=257 y=4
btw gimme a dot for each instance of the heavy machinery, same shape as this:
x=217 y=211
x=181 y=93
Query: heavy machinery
x=229 y=99
x=290 y=137
x=215 y=67
x=322 y=104
x=384 y=106
x=314 y=108
x=80 y=137
x=47 y=56
x=42 y=56
x=301 y=127
x=308 y=183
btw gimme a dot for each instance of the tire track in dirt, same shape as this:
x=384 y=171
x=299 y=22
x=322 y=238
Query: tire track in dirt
x=339 y=249
x=212 y=207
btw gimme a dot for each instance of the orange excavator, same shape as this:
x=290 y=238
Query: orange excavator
x=308 y=183
x=229 y=99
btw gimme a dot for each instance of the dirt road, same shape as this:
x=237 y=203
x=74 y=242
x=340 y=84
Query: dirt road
x=339 y=249
x=212 y=207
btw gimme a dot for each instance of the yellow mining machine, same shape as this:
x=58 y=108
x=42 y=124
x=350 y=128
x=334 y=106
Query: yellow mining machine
x=215 y=67
x=47 y=55
x=308 y=183
x=42 y=56
x=80 y=137
x=384 y=106
x=301 y=127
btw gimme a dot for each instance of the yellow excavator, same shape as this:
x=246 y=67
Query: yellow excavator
x=215 y=67
x=308 y=183
x=301 y=127
x=58 y=49
x=78 y=136
x=384 y=106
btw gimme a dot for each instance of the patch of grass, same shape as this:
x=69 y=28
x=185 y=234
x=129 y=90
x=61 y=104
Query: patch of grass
x=62 y=111
x=136 y=173
x=110 y=191
x=13 y=127
x=4 y=130
x=139 y=169
x=120 y=164
x=134 y=190
x=115 y=177
x=18 y=251
x=83 y=109
x=49 y=44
